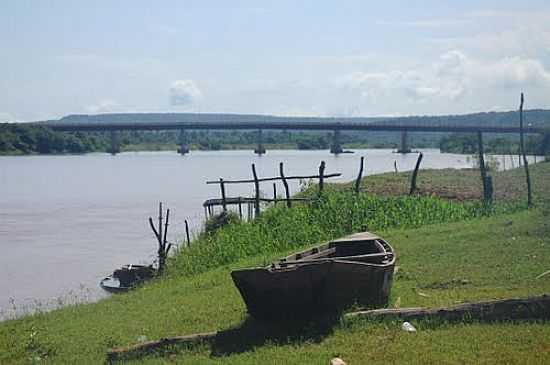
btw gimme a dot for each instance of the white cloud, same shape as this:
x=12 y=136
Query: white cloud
x=452 y=76
x=104 y=106
x=426 y=23
x=184 y=93
x=518 y=72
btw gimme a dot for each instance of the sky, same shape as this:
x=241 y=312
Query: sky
x=292 y=58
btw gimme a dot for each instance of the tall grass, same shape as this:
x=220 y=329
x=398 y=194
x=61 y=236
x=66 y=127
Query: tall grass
x=335 y=214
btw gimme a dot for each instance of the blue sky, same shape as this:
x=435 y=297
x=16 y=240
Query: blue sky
x=320 y=58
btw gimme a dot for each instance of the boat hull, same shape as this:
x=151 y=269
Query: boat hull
x=323 y=287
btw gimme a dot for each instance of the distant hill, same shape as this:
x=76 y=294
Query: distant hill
x=535 y=117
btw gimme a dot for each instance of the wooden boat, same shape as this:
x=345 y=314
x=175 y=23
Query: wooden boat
x=356 y=269
x=127 y=277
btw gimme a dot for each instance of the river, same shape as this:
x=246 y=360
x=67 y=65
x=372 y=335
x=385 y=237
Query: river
x=67 y=221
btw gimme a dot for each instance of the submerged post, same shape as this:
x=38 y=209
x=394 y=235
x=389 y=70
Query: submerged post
x=285 y=184
x=360 y=176
x=415 y=174
x=336 y=147
x=257 y=189
x=115 y=143
x=260 y=150
x=183 y=148
x=522 y=147
x=404 y=143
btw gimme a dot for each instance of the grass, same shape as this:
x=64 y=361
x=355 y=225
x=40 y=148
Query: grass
x=488 y=257
x=461 y=185
x=336 y=214
x=495 y=257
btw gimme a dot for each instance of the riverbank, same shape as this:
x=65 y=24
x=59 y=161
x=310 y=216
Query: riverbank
x=439 y=264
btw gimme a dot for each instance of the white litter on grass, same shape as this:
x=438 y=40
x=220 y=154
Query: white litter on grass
x=406 y=326
x=337 y=361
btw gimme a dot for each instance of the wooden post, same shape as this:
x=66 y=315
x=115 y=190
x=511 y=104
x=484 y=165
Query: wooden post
x=222 y=187
x=395 y=166
x=240 y=209
x=160 y=223
x=321 y=176
x=166 y=227
x=187 y=234
x=415 y=173
x=489 y=187
x=360 y=176
x=162 y=248
x=482 y=168
x=274 y=193
x=525 y=163
x=257 y=188
x=285 y=184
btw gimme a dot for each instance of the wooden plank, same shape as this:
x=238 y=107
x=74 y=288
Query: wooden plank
x=341 y=258
x=297 y=177
x=494 y=310
x=119 y=353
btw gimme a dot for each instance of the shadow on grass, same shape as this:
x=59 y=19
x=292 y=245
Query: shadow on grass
x=248 y=335
x=252 y=333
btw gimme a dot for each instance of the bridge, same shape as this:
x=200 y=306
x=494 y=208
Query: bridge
x=260 y=123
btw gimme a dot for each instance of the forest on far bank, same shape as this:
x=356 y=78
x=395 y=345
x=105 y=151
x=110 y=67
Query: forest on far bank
x=22 y=139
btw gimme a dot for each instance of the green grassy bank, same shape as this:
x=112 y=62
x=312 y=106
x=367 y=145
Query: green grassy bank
x=475 y=255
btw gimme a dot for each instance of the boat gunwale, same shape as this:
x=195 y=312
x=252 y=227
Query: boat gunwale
x=274 y=268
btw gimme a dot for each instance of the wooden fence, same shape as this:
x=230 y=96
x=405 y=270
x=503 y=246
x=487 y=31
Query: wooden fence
x=254 y=202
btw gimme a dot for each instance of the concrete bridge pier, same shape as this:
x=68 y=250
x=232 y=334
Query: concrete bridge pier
x=404 y=143
x=336 y=146
x=260 y=150
x=115 y=142
x=183 y=148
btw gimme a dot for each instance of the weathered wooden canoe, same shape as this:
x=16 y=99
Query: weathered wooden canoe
x=127 y=277
x=356 y=269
